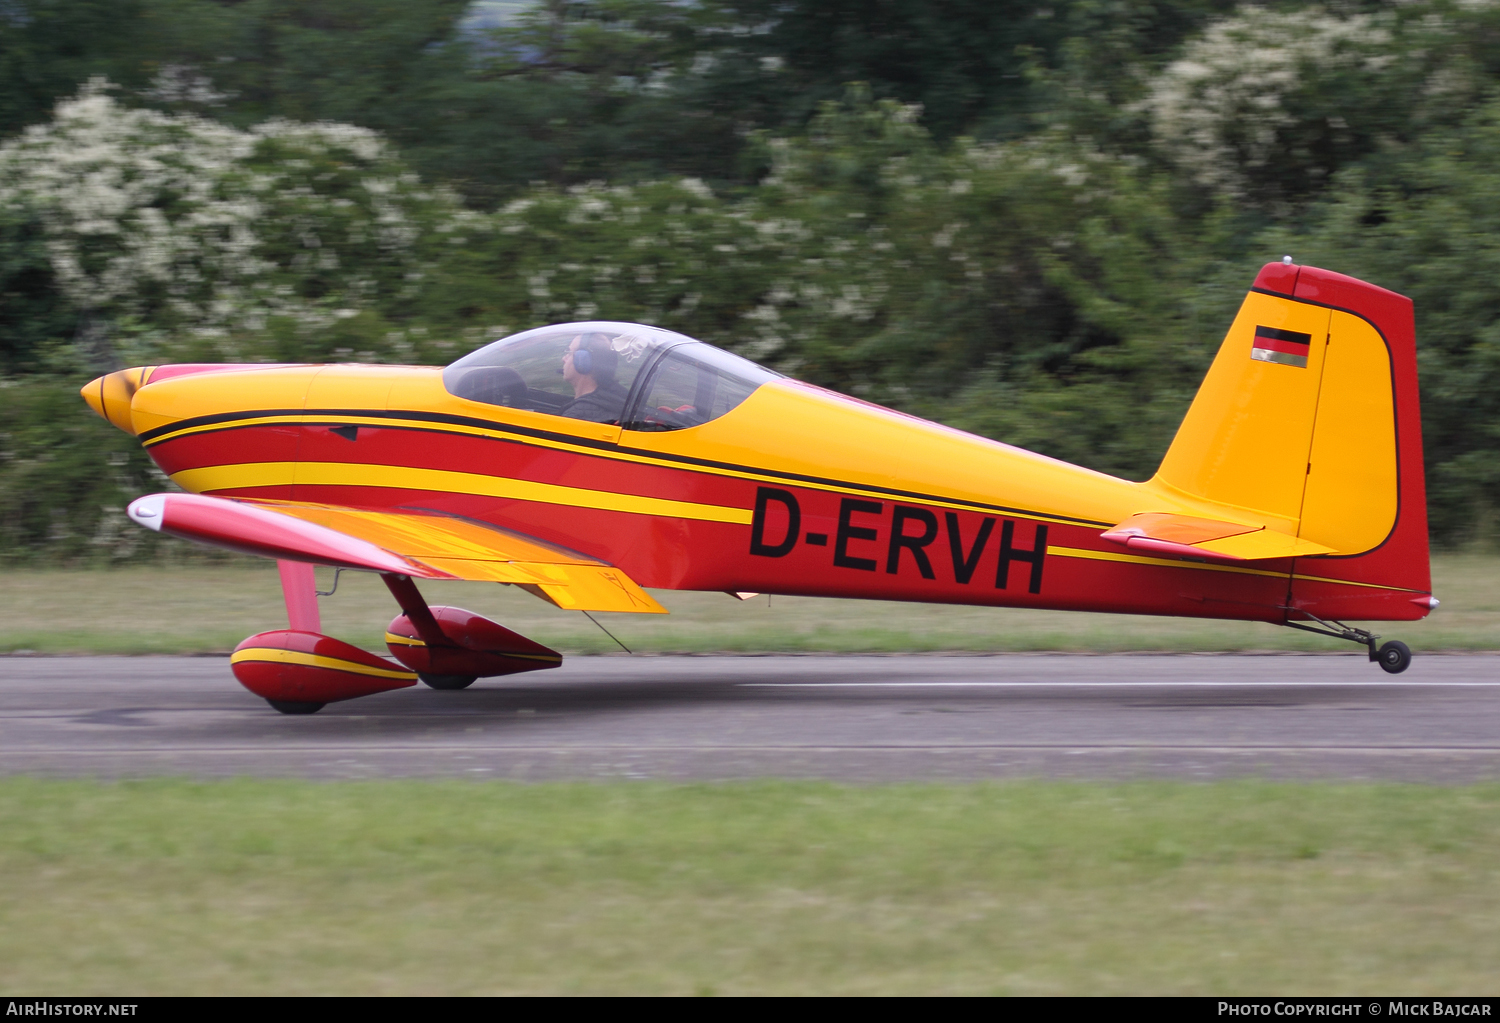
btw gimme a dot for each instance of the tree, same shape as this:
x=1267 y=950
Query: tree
x=49 y=47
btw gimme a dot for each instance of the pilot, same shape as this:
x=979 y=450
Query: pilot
x=589 y=368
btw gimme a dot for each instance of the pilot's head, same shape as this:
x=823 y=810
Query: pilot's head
x=590 y=360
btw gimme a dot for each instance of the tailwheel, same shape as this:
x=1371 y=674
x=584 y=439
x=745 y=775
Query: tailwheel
x=450 y=681
x=296 y=706
x=1394 y=657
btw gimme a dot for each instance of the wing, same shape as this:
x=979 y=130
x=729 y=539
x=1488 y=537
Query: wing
x=426 y=545
x=1209 y=538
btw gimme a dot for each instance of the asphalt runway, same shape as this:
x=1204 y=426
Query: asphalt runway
x=848 y=718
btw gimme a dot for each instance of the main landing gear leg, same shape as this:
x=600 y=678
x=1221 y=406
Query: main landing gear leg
x=449 y=647
x=414 y=606
x=1394 y=657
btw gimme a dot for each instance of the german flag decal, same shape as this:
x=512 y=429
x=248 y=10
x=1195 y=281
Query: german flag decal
x=1287 y=347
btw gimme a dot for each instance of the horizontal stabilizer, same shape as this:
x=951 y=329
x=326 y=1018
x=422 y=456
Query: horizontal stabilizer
x=417 y=544
x=1168 y=533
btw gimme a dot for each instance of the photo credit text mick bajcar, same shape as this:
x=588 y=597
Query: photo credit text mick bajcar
x=1380 y=1007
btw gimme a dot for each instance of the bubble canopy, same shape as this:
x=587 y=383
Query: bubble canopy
x=627 y=374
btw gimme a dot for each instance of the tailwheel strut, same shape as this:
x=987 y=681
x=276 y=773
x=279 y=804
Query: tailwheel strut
x=1393 y=657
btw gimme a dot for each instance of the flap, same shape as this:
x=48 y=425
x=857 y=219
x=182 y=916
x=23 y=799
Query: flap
x=467 y=549
x=425 y=545
x=1169 y=533
x=572 y=587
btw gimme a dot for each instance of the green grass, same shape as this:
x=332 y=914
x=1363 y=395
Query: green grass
x=174 y=887
x=205 y=609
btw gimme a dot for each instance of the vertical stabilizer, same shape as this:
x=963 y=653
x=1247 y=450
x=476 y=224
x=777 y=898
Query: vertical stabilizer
x=1309 y=421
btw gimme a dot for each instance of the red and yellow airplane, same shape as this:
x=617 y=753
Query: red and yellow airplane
x=585 y=461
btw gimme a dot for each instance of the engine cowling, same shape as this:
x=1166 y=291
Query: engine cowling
x=476 y=646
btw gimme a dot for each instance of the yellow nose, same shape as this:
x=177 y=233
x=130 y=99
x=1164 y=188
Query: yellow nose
x=110 y=395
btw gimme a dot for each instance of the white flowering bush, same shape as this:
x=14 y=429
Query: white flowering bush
x=1267 y=101
x=199 y=240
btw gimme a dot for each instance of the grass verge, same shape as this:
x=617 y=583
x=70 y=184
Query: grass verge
x=209 y=609
x=259 y=887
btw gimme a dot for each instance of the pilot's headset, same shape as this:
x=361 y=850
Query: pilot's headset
x=595 y=358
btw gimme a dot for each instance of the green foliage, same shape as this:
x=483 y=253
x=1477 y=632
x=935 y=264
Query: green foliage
x=66 y=476
x=50 y=47
x=308 y=60
x=35 y=316
x=572 y=90
x=961 y=60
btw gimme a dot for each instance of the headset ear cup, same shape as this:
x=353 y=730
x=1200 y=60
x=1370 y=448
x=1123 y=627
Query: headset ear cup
x=583 y=361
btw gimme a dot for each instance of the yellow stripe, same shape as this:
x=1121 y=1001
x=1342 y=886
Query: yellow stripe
x=348 y=474
x=280 y=656
x=1136 y=559
x=618 y=455
x=391 y=637
x=544 y=658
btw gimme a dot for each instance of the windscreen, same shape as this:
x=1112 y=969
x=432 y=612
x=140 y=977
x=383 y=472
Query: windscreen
x=693 y=384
